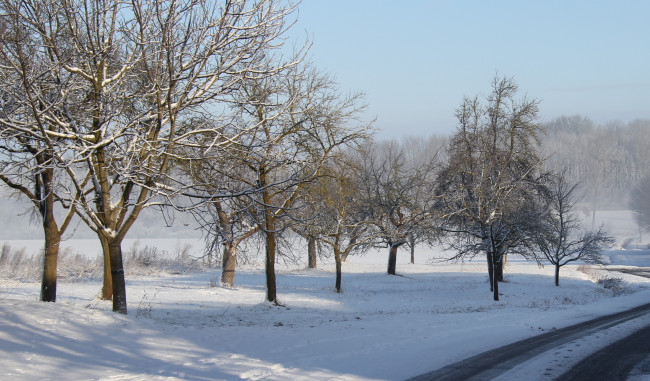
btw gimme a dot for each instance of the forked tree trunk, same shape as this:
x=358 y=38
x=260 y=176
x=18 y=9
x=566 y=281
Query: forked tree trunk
x=392 y=259
x=107 y=285
x=311 y=252
x=557 y=274
x=117 y=275
x=229 y=264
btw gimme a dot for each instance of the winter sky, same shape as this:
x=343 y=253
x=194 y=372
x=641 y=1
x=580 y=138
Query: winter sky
x=417 y=59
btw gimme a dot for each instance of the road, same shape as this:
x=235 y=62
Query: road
x=490 y=364
x=616 y=361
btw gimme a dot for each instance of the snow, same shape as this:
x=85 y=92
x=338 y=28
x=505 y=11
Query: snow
x=183 y=327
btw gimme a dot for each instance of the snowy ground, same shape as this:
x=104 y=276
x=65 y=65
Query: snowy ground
x=182 y=327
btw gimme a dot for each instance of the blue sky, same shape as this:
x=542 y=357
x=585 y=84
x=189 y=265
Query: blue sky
x=415 y=60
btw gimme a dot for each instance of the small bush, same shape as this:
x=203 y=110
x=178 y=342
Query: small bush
x=617 y=285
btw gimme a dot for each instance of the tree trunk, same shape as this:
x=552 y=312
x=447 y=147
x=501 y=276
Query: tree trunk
x=229 y=263
x=117 y=275
x=50 y=257
x=412 y=246
x=490 y=266
x=311 y=252
x=52 y=235
x=337 y=258
x=107 y=285
x=392 y=259
x=270 y=265
x=495 y=285
x=412 y=253
x=557 y=274
x=499 y=271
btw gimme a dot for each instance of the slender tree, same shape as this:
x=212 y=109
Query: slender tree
x=640 y=203
x=30 y=161
x=340 y=221
x=563 y=239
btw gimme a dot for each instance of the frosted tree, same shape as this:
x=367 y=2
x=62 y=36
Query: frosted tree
x=397 y=193
x=125 y=76
x=339 y=220
x=292 y=122
x=488 y=190
x=562 y=238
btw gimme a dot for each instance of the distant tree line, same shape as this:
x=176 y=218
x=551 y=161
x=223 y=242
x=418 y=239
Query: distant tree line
x=606 y=160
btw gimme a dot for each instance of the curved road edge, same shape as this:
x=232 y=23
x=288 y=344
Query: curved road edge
x=494 y=362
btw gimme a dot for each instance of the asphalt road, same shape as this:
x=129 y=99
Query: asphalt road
x=490 y=364
x=616 y=361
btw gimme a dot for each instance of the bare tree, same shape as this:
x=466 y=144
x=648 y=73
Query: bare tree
x=128 y=74
x=397 y=193
x=640 y=203
x=30 y=161
x=340 y=222
x=488 y=189
x=563 y=239
x=293 y=121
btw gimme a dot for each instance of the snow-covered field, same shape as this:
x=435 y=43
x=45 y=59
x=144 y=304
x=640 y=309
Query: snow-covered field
x=184 y=327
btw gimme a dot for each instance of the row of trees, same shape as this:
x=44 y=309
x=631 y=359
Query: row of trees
x=109 y=107
x=483 y=192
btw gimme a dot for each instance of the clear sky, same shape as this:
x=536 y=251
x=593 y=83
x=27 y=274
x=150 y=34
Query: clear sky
x=417 y=59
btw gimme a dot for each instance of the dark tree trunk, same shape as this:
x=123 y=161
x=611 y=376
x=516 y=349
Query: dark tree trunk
x=392 y=259
x=499 y=270
x=413 y=253
x=311 y=252
x=557 y=274
x=490 y=267
x=107 y=285
x=229 y=264
x=496 y=283
x=270 y=265
x=117 y=275
x=337 y=258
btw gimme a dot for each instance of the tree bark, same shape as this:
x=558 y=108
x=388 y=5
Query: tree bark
x=392 y=259
x=499 y=271
x=490 y=266
x=557 y=274
x=50 y=258
x=311 y=252
x=107 y=285
x=229 y=264
x=495 y=285
x=45 y=193
x=117 y=275
x=270 y=266
x=412 y=253
x=337 y=258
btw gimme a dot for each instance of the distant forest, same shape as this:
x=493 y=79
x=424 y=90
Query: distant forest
x=607 y=160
